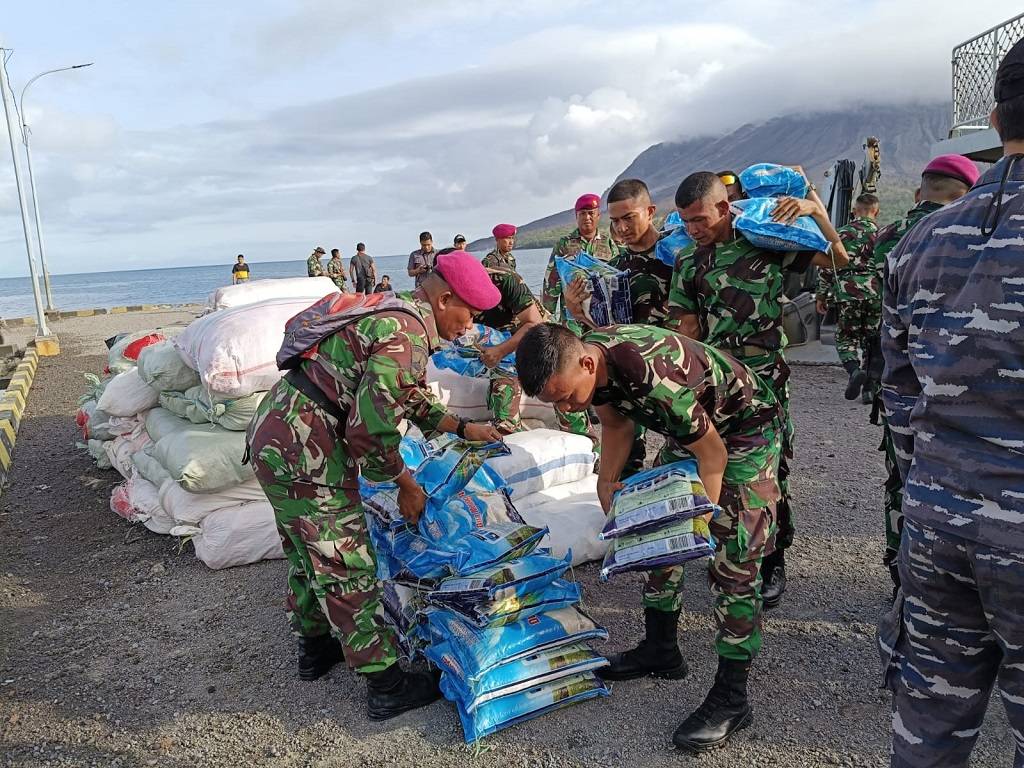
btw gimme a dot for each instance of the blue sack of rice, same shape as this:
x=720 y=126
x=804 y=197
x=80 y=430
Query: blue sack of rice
x=753 y=218
x=401 y=604
x=445 y=475
x=511 y=608
x=671 y=221
x=610 y=301
x=531 y=703
x=480 y=650
x=513 y=677
x=465 y=512
x=513 y=578
x=493 y=544
x=669 y=246
x=656 y=497
x=674 y=544
x=417 y=558
x=771 y=180
x=463 y=354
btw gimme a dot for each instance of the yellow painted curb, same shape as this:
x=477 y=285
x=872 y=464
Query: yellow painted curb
x=12 y=404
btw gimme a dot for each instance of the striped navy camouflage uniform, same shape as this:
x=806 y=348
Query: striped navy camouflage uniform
x=953 y=341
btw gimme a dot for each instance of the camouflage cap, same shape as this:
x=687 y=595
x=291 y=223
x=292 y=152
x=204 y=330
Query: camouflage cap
x=319 y=249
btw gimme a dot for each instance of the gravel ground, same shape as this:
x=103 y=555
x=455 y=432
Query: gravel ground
x=117 y=649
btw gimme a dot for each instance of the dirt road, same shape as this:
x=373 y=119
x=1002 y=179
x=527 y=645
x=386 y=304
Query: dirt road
x=117 y=649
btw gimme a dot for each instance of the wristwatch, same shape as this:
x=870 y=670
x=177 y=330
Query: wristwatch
x=460 y=430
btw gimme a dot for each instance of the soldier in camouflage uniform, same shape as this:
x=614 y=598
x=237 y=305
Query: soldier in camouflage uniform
x=856 y=290
x=504 y=241
x=709 y=407
x=336 y=270
x=728 y=293
x=937 y=190
x=357 y=368
x=314 y=268
x=516 y=312
x=586 y=238
x=953 y=343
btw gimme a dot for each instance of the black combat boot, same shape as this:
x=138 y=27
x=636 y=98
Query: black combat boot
x=725 y=710
x=317 y=655
x=657 y=654
x=857 y=378
x=393 y=691
x=773 y=578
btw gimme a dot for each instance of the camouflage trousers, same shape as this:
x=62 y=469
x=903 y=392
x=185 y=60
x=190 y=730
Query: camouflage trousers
x=504 y=401
x=773 y=368
x=859 y=322
x=893 y=503
x=744 y=533
x=332 y=571
x=957 y=627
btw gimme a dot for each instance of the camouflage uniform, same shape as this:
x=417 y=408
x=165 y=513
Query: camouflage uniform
x=504 y=398
x=309 y=463
x=336 y=271
x=314 y=267
x=887 y=239
x=735 y=290
x=953 y=341
x=857 y=290
x=680 y=388
x=495 y=260
x=601 y=248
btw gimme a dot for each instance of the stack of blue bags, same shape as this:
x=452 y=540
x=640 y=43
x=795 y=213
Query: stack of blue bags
x=610 y=301
x=463 y=354
x=763 y=184
x=469 y=589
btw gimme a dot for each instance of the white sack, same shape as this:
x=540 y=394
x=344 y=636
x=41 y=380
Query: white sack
x=138 y=500
x=203 y=458
x=150 y=468
x=544 y=458
x=197 y=406
x=162 y=368
x=235 y=350
x=117 y=362
x=573 y=516
x=160 y=423
x=466 y=396
x=238 y=535
x=127 y=394
x=191 y=508
x=121 y=449
x=311 y=288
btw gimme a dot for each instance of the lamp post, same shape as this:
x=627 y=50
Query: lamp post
x=25 y=131
x=4 y=86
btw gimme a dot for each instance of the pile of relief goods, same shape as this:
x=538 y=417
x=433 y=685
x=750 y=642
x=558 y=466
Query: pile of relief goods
x=471 y=589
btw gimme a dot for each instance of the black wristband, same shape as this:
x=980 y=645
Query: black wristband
x=460 y=430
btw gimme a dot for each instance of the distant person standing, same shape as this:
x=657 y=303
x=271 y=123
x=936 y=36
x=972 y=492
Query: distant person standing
x=459 y=244
x=240 y=271
x=362 y=270
x=421 y=262
x=313 y=266
x=504 y=242
x=336 y=270
x=384 y=285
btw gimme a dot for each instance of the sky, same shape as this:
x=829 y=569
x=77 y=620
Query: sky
x=268 y=127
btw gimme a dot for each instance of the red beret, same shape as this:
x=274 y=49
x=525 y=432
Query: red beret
x=587 y=201
x=468 y=279
x=956 y=167
x=504 y=230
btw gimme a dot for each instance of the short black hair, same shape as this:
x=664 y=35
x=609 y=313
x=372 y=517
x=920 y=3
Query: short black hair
x=385 y=277
x=696 y=187
x=360 y=246
x=425 y=236
x=628 y=189
x=334 y=251
x=241 y=256
x=543 y=352
x=1010 y=116
x=941 y=186
x=866 y=200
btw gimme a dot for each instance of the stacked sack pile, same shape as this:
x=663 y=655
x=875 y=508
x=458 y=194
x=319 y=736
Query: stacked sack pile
x=172 y=421
x=470 y=589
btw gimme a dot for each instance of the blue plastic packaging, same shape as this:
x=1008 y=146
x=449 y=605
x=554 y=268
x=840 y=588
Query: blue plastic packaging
x=497 y=543
x=463 y=355
x=512 y=607
x=656 y=497
x=669 y=246
x=771 y=180
x=610 y=299
x=753 y=218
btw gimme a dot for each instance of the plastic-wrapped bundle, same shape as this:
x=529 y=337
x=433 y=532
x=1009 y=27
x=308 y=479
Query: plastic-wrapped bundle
x=610 y=301
x=480 y=650
x=667 y=494
x=515 y=676
x=526 y=705
x=123 y=352
x=198 y=406
x=496 y=613
x=669 y=246
x=162 y=368
x=670 y=545
x=404 y=555
x=463 y=355
x=446 y=474
x=513 y=578
x=465 y=512
x=496 y=543
x=771 y=180
x=753 y=218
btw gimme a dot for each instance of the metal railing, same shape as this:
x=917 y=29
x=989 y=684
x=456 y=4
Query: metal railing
x=974 y=72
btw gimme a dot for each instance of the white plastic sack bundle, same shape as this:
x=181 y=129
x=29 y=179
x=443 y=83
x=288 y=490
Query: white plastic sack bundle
x=138 y=500
x=544 y=458
x=235 y=350
x=466 y=396
x=122 y=448
x=573 y=516
x=160 y=423
x=192 y=508
x=203 y=458
x=127 y=394
x=151 y=469
x=162 y=368
x=311 y=288
x=124 y=353
x=97 y=449
x=197 y=406
x=238 y=535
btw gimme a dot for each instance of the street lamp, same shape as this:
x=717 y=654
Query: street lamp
x=25 y=131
